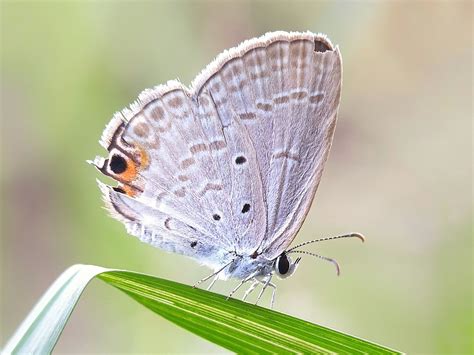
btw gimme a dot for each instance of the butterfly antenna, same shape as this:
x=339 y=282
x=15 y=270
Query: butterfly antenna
x=351 y=235
x=338 y=270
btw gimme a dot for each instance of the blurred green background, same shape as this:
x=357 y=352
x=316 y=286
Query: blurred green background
x=399 y=171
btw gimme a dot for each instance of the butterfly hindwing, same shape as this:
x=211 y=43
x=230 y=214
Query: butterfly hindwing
x=180 y=167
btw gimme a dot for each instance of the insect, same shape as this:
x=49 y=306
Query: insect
x=225 y=171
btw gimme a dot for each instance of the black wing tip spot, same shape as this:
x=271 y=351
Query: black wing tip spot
x=321 y=46
x=216 y=217
x=240 y=160
x=246 y=208
x=118 y=164
x=193 y=244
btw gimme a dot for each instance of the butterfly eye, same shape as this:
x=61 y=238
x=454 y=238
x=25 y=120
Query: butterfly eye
x=283 y=264
x=284 y=267
x=216 y=217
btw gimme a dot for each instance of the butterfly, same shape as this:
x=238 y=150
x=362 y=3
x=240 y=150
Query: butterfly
x=225 y=171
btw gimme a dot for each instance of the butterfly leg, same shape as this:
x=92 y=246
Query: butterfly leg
x=211 y=275
x=241 y=283
x=250 y=290
x=273 y=286
x=205 y=279
x=266 y=282
x=213 y=282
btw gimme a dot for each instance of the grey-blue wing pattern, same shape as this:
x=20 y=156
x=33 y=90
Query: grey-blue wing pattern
x=184 y=177
x=230 y=166
x=284 y=88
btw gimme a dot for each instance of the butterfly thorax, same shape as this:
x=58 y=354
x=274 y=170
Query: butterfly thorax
x=245 y=266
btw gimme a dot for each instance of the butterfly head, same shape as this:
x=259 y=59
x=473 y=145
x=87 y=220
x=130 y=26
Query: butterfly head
x=284 y=266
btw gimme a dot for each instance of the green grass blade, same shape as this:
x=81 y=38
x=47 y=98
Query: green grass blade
x=41 y=329
x=235 y=325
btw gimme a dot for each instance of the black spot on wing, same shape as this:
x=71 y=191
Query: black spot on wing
x=240 y=160
x=320 y=46
x=118 y=164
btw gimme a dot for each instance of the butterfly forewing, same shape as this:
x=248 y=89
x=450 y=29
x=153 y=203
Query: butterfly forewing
x=285 y=89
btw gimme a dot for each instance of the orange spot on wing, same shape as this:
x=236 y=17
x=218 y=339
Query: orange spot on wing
x=126 y=169
x=130 y=191
x=130 y=173
x=125 y=189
